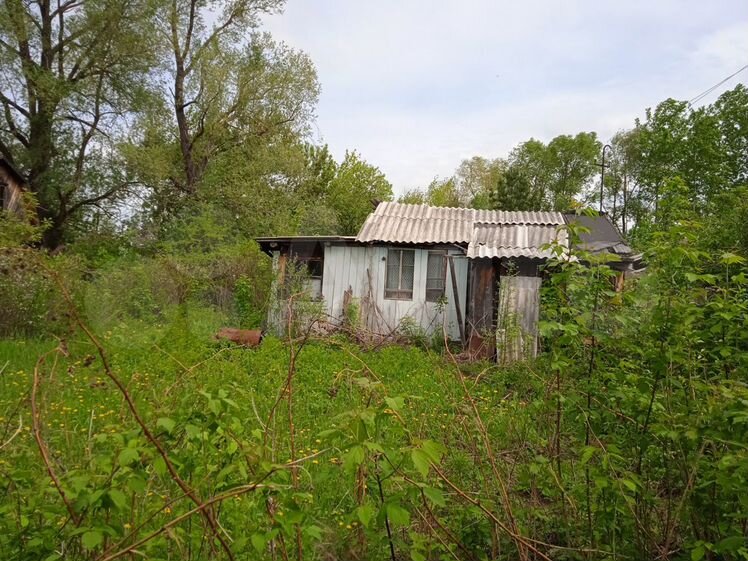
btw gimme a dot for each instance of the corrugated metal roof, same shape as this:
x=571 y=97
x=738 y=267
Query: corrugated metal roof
x=603 y=235
x=515 y=240
x=404 y=223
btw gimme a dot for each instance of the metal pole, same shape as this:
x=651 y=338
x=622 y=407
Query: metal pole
x=602 y=177
x=625 y=195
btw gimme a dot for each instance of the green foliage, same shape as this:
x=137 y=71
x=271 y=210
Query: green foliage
x=535 y=176
x=16 y=231
x=553 y=175
x=625 y=439
x=442 y=192
x=634 y=415
x=66 y=97
x=233 y=280
x=412 y=197
x=475 y=179
x=354 y=192
x=704 y=148
x=514 y=191
x=29 y=299
x=641 y=378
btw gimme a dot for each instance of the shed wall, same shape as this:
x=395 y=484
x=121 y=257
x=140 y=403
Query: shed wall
x=11 y=193
x=362 y=269
x=517 y=318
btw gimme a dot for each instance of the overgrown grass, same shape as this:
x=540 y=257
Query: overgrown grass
x=176 y=371
x=624 y=440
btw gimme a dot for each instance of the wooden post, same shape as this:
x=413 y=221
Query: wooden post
x=456 y=296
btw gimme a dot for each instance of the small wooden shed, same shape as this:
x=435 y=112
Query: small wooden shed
x=12 y=188
x=474 y=274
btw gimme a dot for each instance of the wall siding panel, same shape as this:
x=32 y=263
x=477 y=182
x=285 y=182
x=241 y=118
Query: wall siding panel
x=346 y=266
x=519 y=309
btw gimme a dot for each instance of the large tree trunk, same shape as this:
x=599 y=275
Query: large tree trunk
x=185 y=138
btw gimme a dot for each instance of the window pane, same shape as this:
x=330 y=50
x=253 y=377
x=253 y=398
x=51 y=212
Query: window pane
x=393 y=269
x=435 y=270
x=407 y=269
x=406 y=282
x=400 y=272
x=435 y=275
x=314 y=266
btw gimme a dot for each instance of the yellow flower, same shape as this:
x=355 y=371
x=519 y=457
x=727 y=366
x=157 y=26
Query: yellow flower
x=127 y=526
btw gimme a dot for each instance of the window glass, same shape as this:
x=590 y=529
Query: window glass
x=436 y=273
x=400 y=273
x=393 y=269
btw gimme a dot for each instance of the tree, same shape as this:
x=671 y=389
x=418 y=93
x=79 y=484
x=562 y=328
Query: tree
x=443 y=192
x=704 y=148
x=355 y=192
x=247 y=113
x=514 y=191
x=530 y=160
x=661 y=144
x=315 y=215
x=571 y=160
x=558 y=172
x=620 y=190
x=731 y=110
x=199 y=56
x=70 y=81
x=476 y=178
x=413 y=197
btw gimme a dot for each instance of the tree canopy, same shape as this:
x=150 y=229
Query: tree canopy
x=132 y=116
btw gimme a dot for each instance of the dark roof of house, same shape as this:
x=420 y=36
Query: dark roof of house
x=602 y=234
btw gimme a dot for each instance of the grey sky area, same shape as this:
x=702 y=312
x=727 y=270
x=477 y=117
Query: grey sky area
x=416 y=86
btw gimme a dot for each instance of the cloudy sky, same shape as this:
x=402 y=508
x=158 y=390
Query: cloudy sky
x=415 y=86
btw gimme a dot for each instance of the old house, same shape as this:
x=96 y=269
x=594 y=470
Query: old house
x=475 y=274
x=12 y=187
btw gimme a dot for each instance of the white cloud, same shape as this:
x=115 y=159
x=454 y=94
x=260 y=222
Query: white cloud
x=415 y=85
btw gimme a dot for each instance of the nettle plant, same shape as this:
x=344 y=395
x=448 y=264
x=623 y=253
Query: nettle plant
x=649 y=405
x=388 y=470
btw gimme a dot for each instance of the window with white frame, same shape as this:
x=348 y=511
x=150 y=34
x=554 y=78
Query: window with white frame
x=436 y=275
x=400 y=271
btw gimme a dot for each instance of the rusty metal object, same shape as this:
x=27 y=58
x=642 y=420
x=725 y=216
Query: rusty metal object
x=245 y=337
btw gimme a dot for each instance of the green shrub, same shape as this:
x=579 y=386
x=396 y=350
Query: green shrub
x=30 y=299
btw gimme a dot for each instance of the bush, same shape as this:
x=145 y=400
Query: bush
x=234 y=281
x=30 y=300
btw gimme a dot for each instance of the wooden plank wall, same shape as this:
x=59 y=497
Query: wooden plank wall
x=518 y=312
x=12 y=193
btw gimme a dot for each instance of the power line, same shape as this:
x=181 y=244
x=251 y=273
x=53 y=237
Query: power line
x=705 y=93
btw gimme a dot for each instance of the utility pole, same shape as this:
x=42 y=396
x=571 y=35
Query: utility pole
x=602 y=176
x=625 y=197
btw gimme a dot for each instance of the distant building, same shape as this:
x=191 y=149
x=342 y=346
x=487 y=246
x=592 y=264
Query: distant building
x=474 y=273
x=12 y=187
